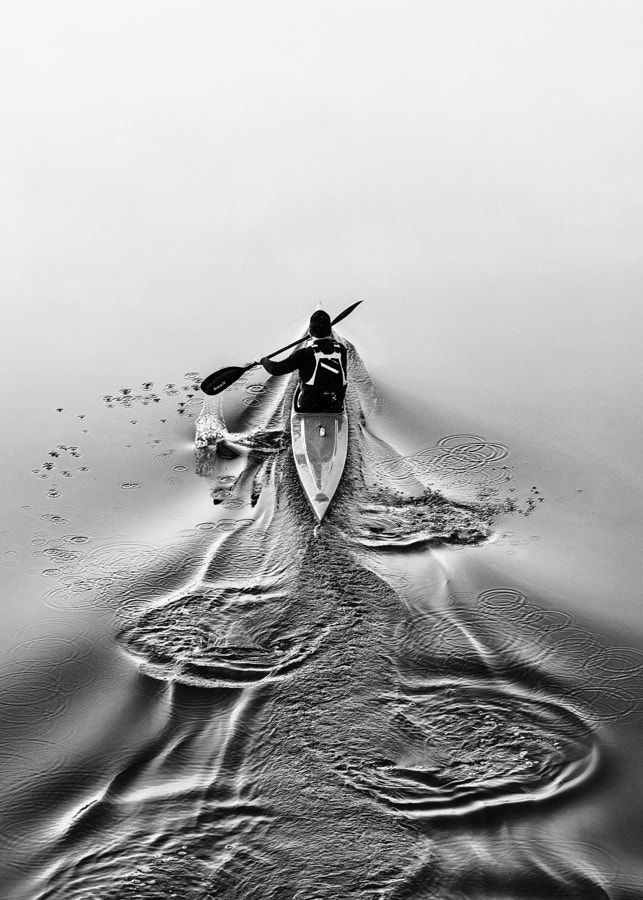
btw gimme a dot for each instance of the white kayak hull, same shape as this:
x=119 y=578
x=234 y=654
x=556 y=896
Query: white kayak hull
x=319 y=446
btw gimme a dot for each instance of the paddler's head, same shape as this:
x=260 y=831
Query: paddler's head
x=320 y=325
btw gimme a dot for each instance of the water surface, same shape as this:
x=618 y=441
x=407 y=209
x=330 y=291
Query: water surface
x=439 y=696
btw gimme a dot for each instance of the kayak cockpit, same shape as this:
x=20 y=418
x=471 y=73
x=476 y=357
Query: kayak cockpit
x=319 y=446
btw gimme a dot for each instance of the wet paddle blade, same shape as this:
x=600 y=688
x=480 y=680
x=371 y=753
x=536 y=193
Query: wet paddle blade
x=222 y=379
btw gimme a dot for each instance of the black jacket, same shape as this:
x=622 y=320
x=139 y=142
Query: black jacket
x=329 y=380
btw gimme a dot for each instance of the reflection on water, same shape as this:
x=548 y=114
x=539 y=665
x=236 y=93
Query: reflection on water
x=304 y=717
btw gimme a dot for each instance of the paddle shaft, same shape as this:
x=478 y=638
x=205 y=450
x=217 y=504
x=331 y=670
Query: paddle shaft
x=223 y=378
x=342 y=315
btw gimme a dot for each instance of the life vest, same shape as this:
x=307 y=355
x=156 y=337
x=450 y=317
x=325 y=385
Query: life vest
x=328 y=375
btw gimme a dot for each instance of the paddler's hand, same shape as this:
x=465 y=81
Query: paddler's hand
x=263 y=361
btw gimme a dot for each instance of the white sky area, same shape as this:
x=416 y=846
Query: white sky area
x=183 y=181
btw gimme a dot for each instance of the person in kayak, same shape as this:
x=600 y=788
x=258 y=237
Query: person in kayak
x=322 y=368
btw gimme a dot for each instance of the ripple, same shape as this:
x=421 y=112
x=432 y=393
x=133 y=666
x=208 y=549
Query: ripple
x=461 y=460
x=133 y=872
x=616 y=662
x=598 y=678
x=234 y=503
x=503 y=599
x=31 y=801
x=222 y=638
x=392 y=522
x=81 y=593
x=62 y=554
x=37 y=688
x=58 y=647
x=473 y=450
x=54 y=519
x=461 y=640
x=455 y=750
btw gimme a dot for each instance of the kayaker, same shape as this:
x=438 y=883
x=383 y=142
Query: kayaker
x=322 y=368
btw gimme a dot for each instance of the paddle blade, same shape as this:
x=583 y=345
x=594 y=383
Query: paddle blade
x=222 y=379
x=346 y=312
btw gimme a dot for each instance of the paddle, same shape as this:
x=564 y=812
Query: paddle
x=223 y=378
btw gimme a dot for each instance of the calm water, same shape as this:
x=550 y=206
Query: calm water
x=438 y=696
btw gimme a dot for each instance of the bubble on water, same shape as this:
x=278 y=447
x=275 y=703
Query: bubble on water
x=62 y=554
x=130 y=485
x=54 y=519
x=180 y=468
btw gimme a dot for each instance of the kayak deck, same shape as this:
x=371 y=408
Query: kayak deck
x=319 y=446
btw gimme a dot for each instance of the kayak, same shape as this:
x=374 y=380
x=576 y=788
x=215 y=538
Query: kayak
x=319 y=446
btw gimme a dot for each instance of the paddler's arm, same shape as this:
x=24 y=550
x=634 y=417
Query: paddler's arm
x=282 y=367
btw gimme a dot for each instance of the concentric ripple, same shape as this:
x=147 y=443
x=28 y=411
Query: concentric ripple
x=455 y=748
x=232 y=637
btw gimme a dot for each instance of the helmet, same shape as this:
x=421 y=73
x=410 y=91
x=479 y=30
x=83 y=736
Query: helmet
x=320 y=324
